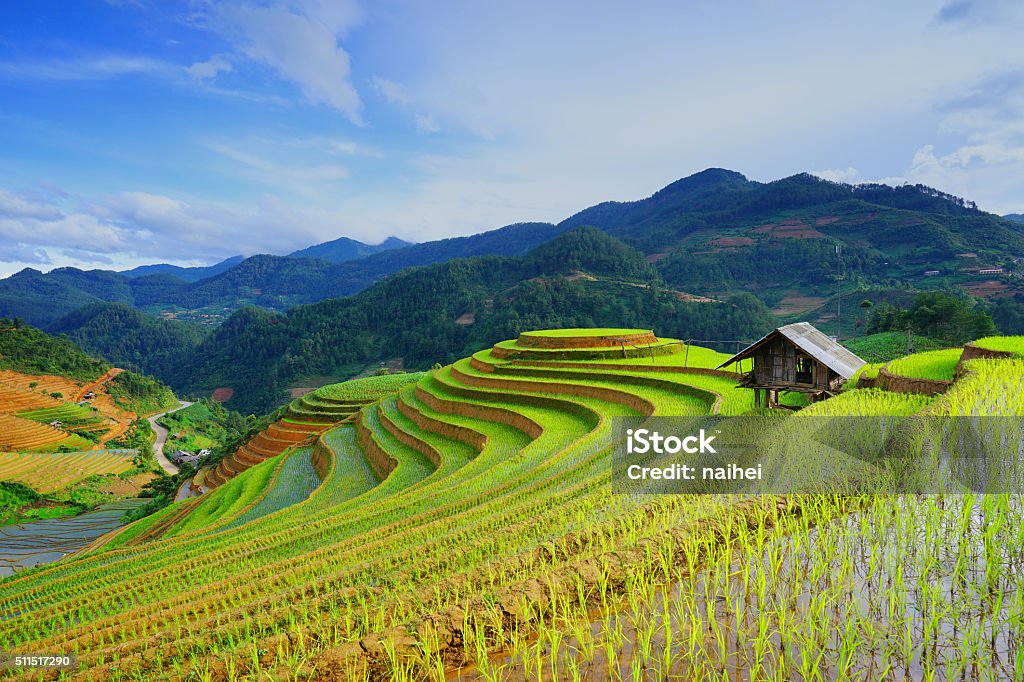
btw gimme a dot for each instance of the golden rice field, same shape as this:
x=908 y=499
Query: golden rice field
x=48 y=472
x=461 y=524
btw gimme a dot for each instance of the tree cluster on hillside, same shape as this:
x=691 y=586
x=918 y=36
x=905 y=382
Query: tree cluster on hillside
x=24 y=348
x=413 y=315
x=140 y=394
x=942 y=316
x=1008 y=314
x=128 y=337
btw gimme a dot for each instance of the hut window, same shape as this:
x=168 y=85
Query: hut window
x=804 y=370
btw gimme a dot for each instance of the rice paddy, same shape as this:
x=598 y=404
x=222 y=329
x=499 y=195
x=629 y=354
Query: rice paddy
x=461 y=524
x=935 y=364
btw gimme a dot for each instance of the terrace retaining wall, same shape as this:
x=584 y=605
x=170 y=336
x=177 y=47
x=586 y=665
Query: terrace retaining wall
x=587 y=353
x=900 y=384
x=421 y=446
x=483 y=412
x=972 y=352
x=711 y=399
x=474 y=439
x=379 y=460
x=321 y=460
x=643 y=338
x=621 y=397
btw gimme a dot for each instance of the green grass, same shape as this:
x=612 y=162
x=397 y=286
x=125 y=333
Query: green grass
x=527 y=526
x=886 y=346
x=140 y=527
x=933 y=364
x=1013 y=344
x=229 y=499
x=583 y=332
x=369 y=388
x=70 y=414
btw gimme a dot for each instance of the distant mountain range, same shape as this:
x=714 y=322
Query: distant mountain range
x=343 y=249
x=335 y=251
x=801 y=244
x=186 y=274
x=712 y=233
x=1015 y=217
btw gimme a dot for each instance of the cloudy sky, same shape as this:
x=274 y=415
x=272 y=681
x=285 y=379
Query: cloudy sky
x=137 y=131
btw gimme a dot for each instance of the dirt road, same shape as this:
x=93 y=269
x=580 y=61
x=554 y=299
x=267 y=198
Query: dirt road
x=161 y=439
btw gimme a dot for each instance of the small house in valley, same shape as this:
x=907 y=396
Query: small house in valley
x=796 y=357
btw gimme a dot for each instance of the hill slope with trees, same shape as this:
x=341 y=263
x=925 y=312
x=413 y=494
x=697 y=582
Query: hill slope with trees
x=439 y=313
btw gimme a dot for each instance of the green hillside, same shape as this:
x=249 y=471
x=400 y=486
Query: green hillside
x=441 y=312
x=715 y=232
x=24 y=348
x=130 y=338
x=468 y=524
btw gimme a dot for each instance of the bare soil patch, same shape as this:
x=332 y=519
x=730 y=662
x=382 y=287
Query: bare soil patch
x=794 y=304
x=223 y=394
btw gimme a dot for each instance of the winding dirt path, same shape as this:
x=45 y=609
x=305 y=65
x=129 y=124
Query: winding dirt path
x=161 y=438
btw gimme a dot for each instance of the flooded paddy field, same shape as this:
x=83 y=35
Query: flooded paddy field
x=42 y=542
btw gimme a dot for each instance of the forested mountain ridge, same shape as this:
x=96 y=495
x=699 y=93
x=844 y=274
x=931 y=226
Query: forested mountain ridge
x=438 y=313
x=266 y=281
x=130 y=338
x=185 y=274
x=713 y=233
x=343 y=249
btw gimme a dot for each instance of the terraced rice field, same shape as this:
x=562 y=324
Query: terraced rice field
x=463 y=524
x=48 y=472
x=28 y=406
x=17 y=434
x=934 y=364
x=70 y=414
x=307 y=417
x=39 y=384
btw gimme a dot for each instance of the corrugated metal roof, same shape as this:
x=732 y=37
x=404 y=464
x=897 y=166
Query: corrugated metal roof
x=812 y=341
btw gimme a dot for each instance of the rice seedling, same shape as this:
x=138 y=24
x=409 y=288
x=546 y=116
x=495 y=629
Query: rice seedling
x=508 y=556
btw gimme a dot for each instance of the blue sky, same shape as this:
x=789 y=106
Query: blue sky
x=138 y=131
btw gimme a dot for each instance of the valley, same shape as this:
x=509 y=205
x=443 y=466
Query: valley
x=455 y=509
x=462 y=521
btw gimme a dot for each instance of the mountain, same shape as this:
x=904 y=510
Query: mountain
x=129 y=338
x=184 y=274
x=39 y=298
x=271 y=282
x=1015 y=217
x=344 y=249
x=438 y=313
x=30 y=351
x=794 y=242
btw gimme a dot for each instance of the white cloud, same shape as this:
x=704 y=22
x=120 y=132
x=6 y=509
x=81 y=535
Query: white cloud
x=23 y=253
x=849 y=174
x=140 y=227
x=14 y=206
x=425 y=123
x=986 y=160
x=972 y=13
x=300 y=42
x=272 y=172
x=93 y=68
x=209 y=69
x=392 y=91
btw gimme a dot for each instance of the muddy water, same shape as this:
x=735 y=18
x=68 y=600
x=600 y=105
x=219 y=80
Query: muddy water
x=43 y=542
